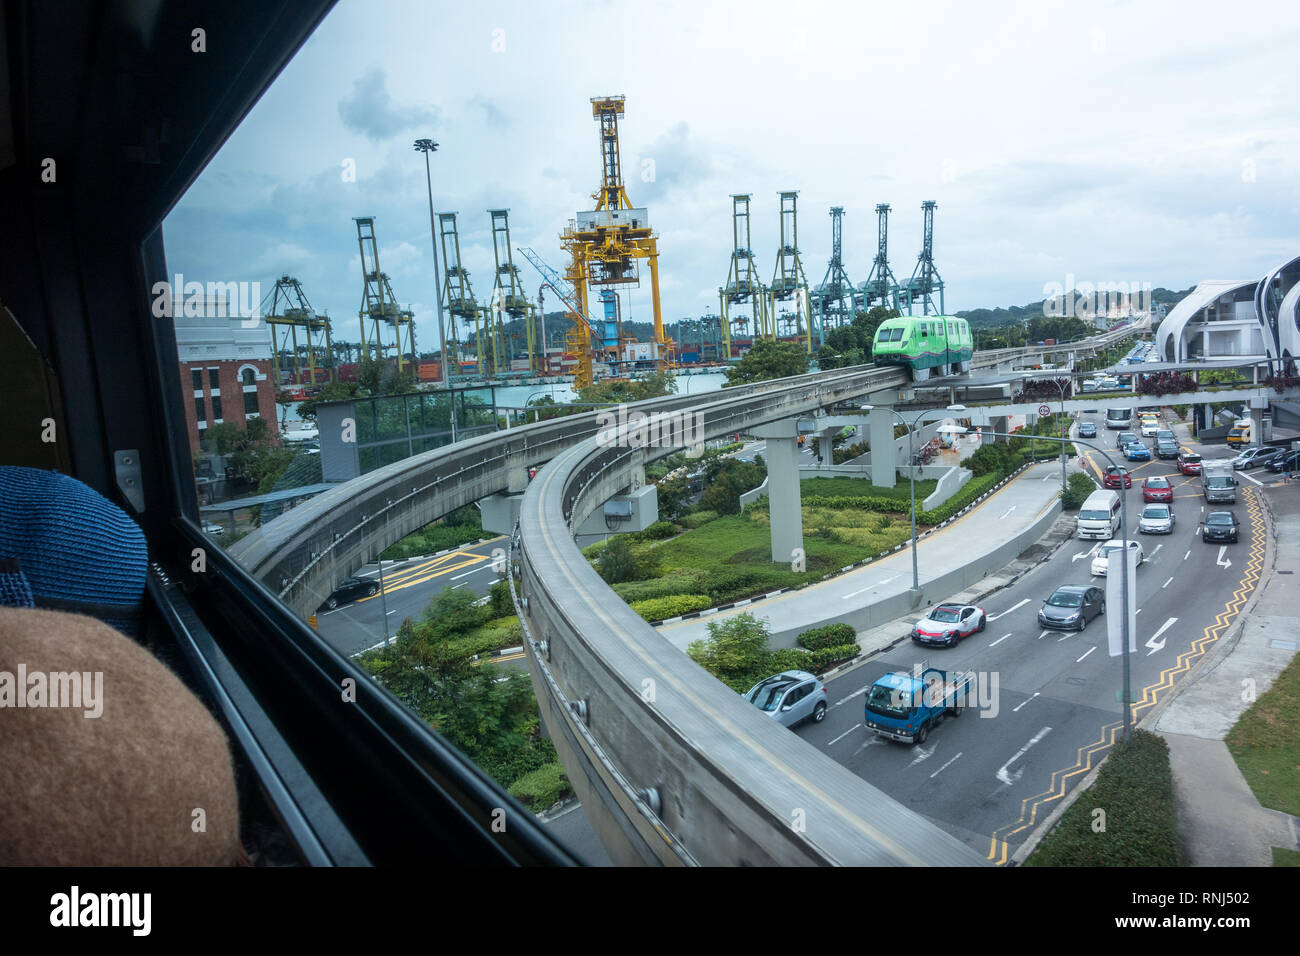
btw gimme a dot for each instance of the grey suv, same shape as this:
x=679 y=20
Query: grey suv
x=790 y=697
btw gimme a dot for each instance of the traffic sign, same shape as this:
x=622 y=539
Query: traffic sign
x=1044 y=410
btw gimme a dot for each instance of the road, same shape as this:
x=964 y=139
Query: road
x=1052 y=697
x=408 y=587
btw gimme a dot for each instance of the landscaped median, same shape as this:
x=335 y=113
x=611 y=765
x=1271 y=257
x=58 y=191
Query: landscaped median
x=1126 y=818
x=1265 y=742
x=736 y=651
x=705 y=560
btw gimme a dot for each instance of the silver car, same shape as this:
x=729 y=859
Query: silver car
x=1156 y=519
x=790 y=697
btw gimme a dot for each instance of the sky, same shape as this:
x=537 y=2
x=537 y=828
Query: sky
x=1139 y=142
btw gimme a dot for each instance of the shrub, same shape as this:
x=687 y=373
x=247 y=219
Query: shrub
x=654 y=532
x=698 y=518
x=728 y=585
x=542 y=788
x=849 y=452
x=1136 y=790
x=1078 y=487
x=679 y=581
x=662 y=608
x=828 y=635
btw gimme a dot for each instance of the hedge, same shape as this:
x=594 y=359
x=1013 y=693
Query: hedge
x=679 y=581
x=1079 y=487
x=1135 y=789
x=654 y=532
x=662 y=608
x=542 y=788
x=698 y=518
x=792 y=658
x=828 y=635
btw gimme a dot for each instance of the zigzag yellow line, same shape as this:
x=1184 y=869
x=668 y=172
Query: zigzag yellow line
x=1109 y=733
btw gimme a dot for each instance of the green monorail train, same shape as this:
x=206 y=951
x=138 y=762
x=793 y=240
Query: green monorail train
x=928 y=345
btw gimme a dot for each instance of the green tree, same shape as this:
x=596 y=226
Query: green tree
x=380 y=377
x=333 y=392
x=617 y=563
x=768 y=360
x=734 y=648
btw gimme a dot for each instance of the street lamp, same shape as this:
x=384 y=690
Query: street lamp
x=1060 y=387
x=428 y=146
x=1123 y=558
x=911 y=475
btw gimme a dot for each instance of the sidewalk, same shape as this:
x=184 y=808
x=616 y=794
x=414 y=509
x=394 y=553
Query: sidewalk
x=1220 y=820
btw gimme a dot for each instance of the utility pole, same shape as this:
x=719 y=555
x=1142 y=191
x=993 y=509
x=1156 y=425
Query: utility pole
x=428 y=146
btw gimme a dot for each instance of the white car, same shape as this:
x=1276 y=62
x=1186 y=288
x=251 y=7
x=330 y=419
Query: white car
x=1101 y=560
x=947 y=624
x=214 y=529
x=1149 y=428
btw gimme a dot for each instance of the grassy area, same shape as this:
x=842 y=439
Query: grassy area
x=842 y=487
x=1266 y=743
x=1285 y=857
x=461 y=527
x=1127 y=817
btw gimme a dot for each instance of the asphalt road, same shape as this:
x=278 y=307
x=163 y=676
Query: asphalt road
x=408 y=587
x=1051 y=699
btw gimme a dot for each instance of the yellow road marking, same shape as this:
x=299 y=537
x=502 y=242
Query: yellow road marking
x=412 y=581
x=1111 y=732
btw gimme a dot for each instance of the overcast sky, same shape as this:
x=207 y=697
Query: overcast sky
x=1138 y=142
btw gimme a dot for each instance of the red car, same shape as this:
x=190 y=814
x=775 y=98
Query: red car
x=1115 y=477
x=1157 y=489
x=1189 y=464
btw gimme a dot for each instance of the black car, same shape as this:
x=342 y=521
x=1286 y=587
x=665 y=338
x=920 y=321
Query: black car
x=1070 y=608
x=350 y=590
x=1220 y=526
x=1087 y=430
x=1124 y=439
x=1166 y=449
x=1288 y=462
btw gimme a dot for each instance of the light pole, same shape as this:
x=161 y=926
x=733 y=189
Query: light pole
x=1060 y=387
x=1123 y=560
x=911 y=476
x=428 y=146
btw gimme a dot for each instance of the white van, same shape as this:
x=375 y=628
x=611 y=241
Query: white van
x=1099 y=516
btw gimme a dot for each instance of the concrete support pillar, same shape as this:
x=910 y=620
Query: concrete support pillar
x=516 y=474
x=783 y=498
x=826 y=446
x=1207 y=415
x=884 y=465
x=1000 y=423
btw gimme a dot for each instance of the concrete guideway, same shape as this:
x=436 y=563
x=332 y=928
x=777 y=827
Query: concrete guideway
x=950 y=558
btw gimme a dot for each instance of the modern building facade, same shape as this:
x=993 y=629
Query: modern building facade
x=1237 y=319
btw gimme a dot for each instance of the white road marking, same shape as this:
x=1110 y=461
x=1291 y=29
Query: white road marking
x=845 y=734
x=389 y=612
x=923 y=754
x=1043 y=635
x=1010 y=609
x=1016 y=709
x=1166 y=584
x=1156 y=551
x=845 y=700
x=1189 y=553
x=1160 y=646
x=1007 y=778
x=1223 y=562
x=1086 y=653
x=999 y=640
x=1242 y=474
x=481 y=567
x=1007 y=512
x=943 y=768
x=870 y=587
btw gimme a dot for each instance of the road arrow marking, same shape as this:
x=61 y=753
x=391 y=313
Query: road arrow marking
x=1043 y=635
x=1159 y=645
x=1223 y=562
x=1010 y=609
x=1007 y=778
x=922 y=754
x=1007 y=512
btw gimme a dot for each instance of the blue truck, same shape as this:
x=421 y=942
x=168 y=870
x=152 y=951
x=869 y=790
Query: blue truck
x=905 y=706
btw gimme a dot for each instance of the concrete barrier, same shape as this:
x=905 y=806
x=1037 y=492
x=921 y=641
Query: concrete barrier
x=950 y=482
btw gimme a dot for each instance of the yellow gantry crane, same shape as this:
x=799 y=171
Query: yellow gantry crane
x=379 y=306
x=606 y=246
